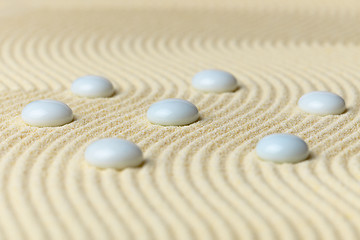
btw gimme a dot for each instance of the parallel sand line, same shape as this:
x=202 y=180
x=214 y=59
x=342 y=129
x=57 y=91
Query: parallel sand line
x=201 y=181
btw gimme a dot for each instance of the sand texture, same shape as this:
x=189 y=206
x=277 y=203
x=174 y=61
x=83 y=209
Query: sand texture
x=201 y=181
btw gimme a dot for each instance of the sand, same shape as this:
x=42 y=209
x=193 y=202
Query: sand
x=201 y=181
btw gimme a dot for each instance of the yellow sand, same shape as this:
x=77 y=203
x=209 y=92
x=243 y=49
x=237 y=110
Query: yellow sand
x=201 y=181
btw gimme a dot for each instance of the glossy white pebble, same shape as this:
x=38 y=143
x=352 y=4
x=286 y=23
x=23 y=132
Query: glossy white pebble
x=113 y=153
x=173 y=111
x=47 y=113
x=282 y=148
x=322 y=103
x=92 y=87
x=214 y=81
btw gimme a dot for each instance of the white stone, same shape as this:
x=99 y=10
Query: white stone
x=92 y=87
x=113 y=153
x=173 y=111
x=282 y=148
x=47 y=113
x=322 y=103
x=214 y=81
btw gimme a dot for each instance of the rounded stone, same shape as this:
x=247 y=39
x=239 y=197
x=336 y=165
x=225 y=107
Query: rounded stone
x=213 y=80
x=113 y=153
x=322 y=103
x=281 y=148
x=92 y=87
x=47 y=113
x=173 y=111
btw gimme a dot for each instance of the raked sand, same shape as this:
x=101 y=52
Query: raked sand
x=201 y=181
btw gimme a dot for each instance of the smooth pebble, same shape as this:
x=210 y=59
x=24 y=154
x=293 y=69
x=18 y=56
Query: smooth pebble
x=282 y=148
x=113 y=153
x=214 y=81
x=47 y=113
x=92 y=87
x=322 y=103
x=172 y=111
